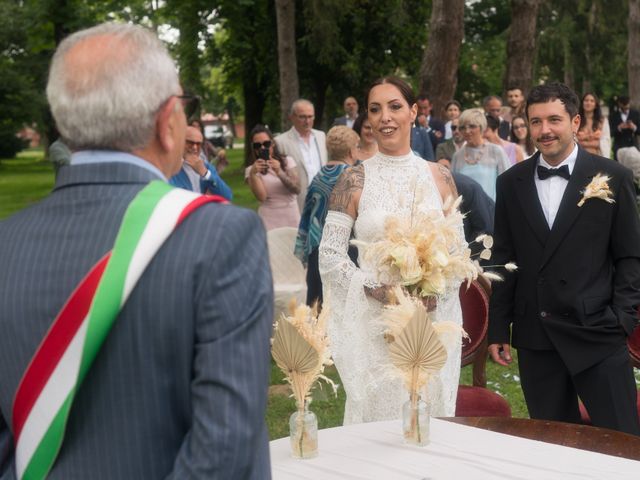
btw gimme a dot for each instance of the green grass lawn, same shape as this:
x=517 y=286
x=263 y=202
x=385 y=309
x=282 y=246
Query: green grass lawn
x=27 y=178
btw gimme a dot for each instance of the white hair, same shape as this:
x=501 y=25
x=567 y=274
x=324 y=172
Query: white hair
x=109 y=99
x=297 y=103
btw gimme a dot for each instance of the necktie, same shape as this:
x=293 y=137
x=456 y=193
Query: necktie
x=544 y=173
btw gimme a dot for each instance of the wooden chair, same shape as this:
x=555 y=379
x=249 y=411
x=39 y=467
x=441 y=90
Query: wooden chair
x=476 y=400
x=633 y=343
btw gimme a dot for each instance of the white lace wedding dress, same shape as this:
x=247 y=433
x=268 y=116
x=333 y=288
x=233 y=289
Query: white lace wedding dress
x=392 y=185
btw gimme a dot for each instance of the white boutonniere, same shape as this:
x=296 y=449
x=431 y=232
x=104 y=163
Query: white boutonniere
x=598 y=188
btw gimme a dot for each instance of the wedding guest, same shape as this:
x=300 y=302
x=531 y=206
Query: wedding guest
x=214 y=155
x=520 y=135
x=363 y=197
x=178 y=385
x=342 y=150
x=304 y=144
x=368 y=146
x=197 y=174
x=515 y=100
x=623 y=123
x=452 y=111
x=513 y=151
x=445 y=151
x=273 y=181
x=492 y=105
x=350 y=113
x=593 y=134
x=572 y=303
x=479 y=159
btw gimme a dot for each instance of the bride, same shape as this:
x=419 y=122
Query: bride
x=397 y=182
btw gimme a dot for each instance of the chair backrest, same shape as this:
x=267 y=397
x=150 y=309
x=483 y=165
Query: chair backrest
x=285 y=267
x=633 y=342
x=474 y=302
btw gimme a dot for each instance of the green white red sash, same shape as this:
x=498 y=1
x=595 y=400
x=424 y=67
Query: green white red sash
x=47 y=389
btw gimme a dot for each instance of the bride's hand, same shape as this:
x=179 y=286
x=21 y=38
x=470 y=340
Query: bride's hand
x=430 y=303
x=384 y=294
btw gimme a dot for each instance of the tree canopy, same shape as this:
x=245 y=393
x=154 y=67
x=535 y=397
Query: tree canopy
x=227 y=50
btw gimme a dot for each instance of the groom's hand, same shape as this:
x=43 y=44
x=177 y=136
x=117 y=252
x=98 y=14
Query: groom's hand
x=501 y=353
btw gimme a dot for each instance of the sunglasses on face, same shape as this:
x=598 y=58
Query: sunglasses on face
x=265 y=144
x=190 y=104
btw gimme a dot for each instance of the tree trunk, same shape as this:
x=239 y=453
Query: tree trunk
x=521 y=45
x=287 y=65
x=439 y=70
x=634 y=52
x=254 y=106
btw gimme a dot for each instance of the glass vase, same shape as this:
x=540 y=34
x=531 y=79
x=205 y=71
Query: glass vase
x=415 y=421
x=303 y=433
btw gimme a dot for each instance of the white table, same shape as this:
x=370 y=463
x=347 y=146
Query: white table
x=376 y=451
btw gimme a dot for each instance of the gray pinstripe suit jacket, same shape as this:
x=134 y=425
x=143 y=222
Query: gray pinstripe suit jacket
x=179 y=388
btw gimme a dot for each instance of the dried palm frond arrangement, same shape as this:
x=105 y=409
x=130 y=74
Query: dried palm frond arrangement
x=417 y=348
x=300 y=348
x=426 y=252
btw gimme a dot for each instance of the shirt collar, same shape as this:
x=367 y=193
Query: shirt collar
x=85 y=157
x=570 y=161
x=299 y=137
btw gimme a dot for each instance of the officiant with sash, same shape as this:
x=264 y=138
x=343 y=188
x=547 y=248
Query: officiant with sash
x=568 y=218
x=135 y=316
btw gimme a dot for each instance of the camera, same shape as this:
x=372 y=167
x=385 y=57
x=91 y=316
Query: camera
x=263 y=153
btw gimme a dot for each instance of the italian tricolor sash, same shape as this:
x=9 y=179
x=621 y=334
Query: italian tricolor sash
x=47 y=389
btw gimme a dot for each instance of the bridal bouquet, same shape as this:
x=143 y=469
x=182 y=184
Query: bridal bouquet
x=426 y=254
x=300 y=348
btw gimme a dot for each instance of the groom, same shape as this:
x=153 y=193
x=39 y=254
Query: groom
x=572 y=303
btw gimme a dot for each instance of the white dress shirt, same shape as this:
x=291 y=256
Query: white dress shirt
x=551 y=190
x=310 y=154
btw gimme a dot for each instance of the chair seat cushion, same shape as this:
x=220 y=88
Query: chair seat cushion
x=480 y=402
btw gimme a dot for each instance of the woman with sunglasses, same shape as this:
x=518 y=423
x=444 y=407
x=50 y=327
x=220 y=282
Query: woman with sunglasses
x=273 y=180
x=479 y=159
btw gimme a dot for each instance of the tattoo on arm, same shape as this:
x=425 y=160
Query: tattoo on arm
x=351 y=181
x=448 y=179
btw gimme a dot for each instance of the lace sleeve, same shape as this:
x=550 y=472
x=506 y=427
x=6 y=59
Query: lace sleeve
x=336 y=268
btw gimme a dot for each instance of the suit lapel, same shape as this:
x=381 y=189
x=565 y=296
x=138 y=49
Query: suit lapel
x=529 y=201
x=568 y=211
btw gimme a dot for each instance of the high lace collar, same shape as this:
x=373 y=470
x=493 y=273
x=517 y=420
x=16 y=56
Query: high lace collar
x=394 y=160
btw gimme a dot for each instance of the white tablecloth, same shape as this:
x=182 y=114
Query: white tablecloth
x=376 y=451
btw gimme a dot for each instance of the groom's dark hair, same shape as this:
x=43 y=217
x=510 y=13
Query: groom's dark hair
x=554 y=91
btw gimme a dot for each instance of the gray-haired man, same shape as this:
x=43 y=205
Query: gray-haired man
x=178 y=389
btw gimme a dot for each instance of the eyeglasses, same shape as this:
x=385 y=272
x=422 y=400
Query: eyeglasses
x=193 y=144
x=265 y=144
x=469 y=126
x=306 y=117
x=190 y=104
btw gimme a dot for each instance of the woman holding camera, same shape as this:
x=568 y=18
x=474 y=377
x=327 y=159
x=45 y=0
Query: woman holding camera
x=273 y=180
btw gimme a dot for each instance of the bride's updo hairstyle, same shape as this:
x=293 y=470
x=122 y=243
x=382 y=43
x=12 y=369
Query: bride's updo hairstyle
x=404 y=87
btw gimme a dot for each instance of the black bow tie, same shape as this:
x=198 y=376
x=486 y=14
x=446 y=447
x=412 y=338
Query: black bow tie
x=544 y=172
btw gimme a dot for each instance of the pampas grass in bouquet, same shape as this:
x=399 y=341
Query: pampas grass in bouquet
x=300 y=348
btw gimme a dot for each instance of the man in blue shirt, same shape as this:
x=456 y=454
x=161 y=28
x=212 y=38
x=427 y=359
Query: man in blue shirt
x=196 y=174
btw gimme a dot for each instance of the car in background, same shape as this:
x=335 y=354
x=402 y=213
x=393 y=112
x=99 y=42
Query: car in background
x=219 y=135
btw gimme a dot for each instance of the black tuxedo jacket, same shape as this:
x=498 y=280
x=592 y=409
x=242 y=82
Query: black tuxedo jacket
x=577 y=284
x=624 y=137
